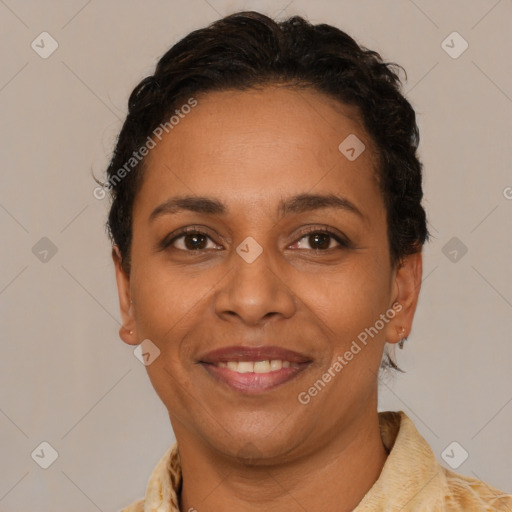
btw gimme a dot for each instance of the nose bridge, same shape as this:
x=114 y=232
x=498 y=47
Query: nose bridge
x=253 y=290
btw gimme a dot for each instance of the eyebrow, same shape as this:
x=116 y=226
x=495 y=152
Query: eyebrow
x=296 y=204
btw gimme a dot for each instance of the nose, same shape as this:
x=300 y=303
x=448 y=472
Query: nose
x=254 y=293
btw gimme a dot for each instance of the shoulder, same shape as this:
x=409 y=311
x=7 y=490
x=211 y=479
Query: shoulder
x=467 y=494
x=428 y=484
x=138 y=506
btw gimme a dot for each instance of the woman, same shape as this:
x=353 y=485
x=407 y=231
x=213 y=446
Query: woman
x=267 y=233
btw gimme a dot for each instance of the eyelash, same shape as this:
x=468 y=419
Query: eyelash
x=192 y=230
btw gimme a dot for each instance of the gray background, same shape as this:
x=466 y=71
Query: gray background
x=67 y=379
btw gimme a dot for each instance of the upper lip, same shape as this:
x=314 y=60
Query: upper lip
x=244 y=353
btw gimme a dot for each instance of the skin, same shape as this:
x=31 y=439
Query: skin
x=250 y=150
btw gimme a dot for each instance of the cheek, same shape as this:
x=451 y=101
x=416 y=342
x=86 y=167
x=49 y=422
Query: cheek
x=349 y=297
x=168 y=307
x=170 y=301
x=346 y=304
x=162 y=301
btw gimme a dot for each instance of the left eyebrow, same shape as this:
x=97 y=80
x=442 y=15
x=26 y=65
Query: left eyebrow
x=296 y=204
x=308 y=202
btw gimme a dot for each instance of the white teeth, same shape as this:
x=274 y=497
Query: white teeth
x=276 y=364
x=265 y=366
x=245 y=367
x=261 y=367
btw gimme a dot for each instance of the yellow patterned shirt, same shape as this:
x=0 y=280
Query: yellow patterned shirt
x=411 y=480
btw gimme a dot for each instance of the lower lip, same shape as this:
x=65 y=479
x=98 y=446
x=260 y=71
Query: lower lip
x=253 y=383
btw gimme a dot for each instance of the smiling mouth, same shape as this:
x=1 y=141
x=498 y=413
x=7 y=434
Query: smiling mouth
x=264 y=366
x=253 y=370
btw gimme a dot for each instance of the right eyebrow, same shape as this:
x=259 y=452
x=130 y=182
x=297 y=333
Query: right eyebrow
x=190 y=203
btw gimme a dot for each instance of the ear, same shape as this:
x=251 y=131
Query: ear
x=405 y=292
x=127 y=331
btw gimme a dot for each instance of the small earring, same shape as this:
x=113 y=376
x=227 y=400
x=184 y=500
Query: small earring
x=403 y=340
x=131 y=332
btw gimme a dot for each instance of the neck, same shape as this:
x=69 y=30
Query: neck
x=333 y=478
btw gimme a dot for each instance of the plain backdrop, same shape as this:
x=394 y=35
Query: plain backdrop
x=65 y=376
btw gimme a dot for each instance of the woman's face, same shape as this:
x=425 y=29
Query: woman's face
x=278 y=263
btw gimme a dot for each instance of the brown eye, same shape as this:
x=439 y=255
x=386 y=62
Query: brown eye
x=195 y=241
x=320 y=240
x=190 y=240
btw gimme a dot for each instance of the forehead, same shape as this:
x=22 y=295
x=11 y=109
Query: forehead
x=271 y=142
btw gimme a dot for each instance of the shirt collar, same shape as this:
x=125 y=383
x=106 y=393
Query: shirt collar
x=410 y=467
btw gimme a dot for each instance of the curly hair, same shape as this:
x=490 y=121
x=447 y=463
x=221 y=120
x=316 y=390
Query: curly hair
x=248 y=50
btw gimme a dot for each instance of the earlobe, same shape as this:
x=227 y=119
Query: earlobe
x=127 y=331
x=406 y=289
